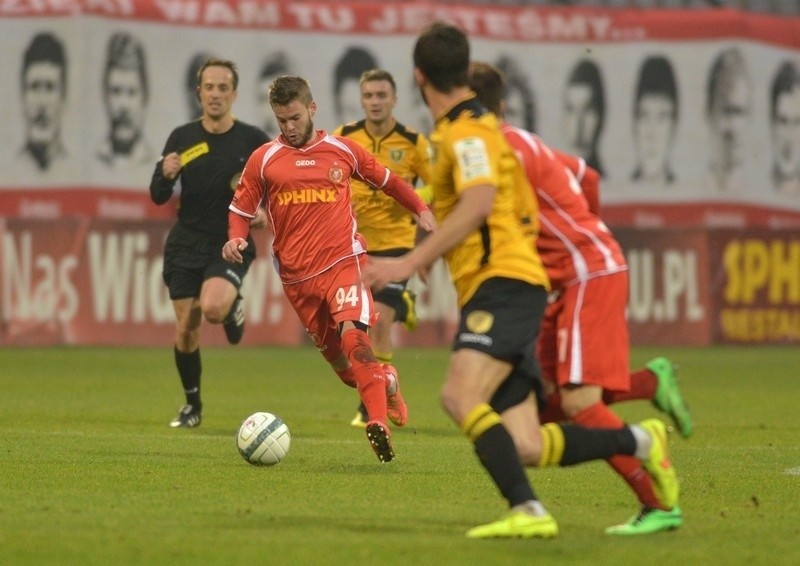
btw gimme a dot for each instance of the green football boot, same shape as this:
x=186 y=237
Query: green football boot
x=649 y=521
x=668 y=397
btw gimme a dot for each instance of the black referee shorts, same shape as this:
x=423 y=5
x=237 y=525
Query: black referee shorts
x=191 y=257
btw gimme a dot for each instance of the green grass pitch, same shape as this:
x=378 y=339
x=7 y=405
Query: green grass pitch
x=90 y=473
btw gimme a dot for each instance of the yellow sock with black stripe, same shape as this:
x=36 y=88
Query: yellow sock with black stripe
x=496 y=451
x=568 y=444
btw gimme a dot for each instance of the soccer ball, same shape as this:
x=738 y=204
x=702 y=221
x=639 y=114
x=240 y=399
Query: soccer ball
x=263 y=439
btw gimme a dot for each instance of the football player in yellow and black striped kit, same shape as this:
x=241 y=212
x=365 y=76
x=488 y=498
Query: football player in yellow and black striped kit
x=501 y=286
x=387 y=227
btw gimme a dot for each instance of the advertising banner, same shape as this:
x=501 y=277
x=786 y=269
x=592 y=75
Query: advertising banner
x=756 y=287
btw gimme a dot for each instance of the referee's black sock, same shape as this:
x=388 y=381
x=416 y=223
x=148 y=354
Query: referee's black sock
x=189 y=368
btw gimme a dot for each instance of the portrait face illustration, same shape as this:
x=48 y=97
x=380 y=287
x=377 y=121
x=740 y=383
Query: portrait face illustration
x=42 y=101
x=654 y=130
x=581 y=119
x=655 y=116
x=786 y=132
x=785 y=127
x=728 y=110
x=125 y=102
x=584 y=112
x=729 y=123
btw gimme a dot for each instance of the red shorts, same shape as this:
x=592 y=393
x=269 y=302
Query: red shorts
x=584 y=335
x=330 y=298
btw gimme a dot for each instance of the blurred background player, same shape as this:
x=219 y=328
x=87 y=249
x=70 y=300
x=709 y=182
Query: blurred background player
x=501 y=285
x=207 y=156
x=303 y=179
x=388 y=228
x=583 y=346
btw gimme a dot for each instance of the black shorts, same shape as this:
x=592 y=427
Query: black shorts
x=392 y=294
x=502 y=320
x=191 y=257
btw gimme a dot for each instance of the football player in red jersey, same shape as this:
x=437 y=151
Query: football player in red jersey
x=303 y=180
x=583 y=346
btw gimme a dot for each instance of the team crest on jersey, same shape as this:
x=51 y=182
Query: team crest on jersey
x=480 y=322
x=335 y=174
x=396 y=155
x=235 y=181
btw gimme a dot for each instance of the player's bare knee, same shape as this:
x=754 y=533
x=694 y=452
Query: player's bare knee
x=215 y=313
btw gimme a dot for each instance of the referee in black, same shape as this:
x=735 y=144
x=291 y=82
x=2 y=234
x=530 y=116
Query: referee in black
x=206 y=156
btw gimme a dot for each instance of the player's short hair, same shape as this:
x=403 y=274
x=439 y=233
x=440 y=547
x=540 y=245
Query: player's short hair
x=127 y=52
x=441 y=53
x=217 y=62
x=488 y=83
x=46 y=47
x=286 y=89
x=378 y=75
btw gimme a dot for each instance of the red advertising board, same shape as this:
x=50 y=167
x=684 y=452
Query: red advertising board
x=89 y=281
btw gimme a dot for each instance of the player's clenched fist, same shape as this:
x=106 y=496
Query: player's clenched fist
x=232 y=250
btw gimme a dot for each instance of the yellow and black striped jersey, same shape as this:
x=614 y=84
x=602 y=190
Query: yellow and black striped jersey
x=382 y=221
x=469 y=150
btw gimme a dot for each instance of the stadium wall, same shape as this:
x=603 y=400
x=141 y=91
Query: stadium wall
x=714 y=258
